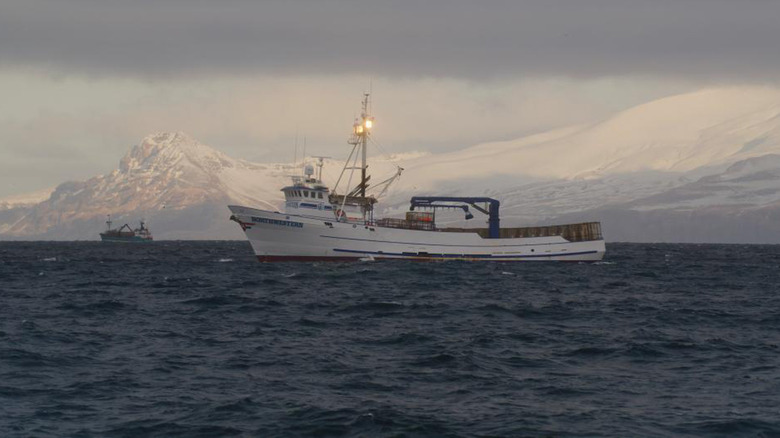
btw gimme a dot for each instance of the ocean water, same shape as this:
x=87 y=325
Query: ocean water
x=195 y=339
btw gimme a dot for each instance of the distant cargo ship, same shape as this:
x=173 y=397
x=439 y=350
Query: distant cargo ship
x=318 y=224
x=126 y=234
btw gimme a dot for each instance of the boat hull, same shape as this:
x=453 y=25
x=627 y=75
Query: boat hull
x=276 y=237
x=133 y=239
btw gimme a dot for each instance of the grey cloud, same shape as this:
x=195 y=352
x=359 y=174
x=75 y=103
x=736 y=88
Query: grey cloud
x=711 y=39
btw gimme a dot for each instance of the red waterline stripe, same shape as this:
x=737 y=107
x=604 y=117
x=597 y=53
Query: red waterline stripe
x=272 y=258
x=278 y=259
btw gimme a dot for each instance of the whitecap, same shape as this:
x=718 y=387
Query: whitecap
x=224 y=260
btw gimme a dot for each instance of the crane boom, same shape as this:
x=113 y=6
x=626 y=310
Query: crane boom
x=435 y=202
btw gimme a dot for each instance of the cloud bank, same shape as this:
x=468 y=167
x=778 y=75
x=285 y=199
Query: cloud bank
x=709 y=39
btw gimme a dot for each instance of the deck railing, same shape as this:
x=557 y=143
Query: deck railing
x=580 y=232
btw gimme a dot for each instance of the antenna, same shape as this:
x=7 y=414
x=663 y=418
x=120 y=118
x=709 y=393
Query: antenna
x=295 y=156
x=303 y=158
x=320 y=163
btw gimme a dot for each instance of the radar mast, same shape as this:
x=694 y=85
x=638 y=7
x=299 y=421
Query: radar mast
x=361 y=131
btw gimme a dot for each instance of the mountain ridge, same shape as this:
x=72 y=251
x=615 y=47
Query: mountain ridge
x=164 y=172
x=669 y=141
x=714 y=151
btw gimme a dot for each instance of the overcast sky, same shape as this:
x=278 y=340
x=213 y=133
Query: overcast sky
x=83 y=80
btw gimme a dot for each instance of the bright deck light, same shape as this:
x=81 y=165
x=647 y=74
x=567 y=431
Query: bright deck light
x=369 y=123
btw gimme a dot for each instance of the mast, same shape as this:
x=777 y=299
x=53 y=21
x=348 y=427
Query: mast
x=362 y=130
x=364 y=140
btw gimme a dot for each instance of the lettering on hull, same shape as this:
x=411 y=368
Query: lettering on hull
x=262 y=220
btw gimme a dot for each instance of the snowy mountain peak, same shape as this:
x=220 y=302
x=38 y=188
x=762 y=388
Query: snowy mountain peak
x=166 y=150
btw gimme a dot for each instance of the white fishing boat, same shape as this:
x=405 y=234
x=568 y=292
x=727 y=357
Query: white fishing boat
x=318 y=224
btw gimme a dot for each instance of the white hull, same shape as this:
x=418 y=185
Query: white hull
x=278 y=236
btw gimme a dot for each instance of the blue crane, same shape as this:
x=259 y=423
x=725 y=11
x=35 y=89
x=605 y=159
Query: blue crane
x=435 y=202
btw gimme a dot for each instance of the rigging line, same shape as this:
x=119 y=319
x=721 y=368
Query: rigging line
x=330 y=177
x=388 y=182
x=344 y=169
x=349 y=183
x=371 y=93
x=393 y=160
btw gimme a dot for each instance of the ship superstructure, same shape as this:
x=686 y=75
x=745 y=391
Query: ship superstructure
x=320 y=224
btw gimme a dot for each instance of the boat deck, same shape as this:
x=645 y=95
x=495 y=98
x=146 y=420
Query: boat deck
x=580 y=232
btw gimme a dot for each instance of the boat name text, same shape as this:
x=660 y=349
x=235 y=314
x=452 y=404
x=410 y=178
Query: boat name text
x=261 y=220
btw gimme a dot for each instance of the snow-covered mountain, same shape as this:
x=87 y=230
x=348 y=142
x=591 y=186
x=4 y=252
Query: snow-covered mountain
x=675 y=134
x=712 y=151
x=25 y=199
x=14 y=208
x=741 y=204
x=701 y=166
x=180 y=186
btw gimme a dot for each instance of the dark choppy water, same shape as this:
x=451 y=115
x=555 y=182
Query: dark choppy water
x=198 y=339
